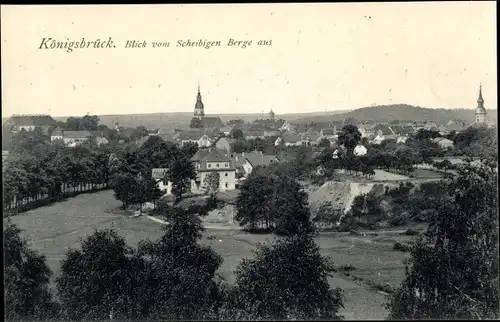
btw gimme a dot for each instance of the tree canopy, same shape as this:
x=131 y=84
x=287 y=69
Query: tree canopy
x=286 y=280
x=453 y=270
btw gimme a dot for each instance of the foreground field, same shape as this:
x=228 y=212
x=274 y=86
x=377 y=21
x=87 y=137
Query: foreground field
x=55 y=228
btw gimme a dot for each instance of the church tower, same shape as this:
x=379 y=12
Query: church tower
x=480 y=110
x=199 y=109
x=272 y=115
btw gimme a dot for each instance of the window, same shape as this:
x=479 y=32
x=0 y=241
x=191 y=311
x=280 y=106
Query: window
x=226 y=174
x=209 y=165
x=217 y=165
x=227 y=165
x=226 y=184
x=165 y=182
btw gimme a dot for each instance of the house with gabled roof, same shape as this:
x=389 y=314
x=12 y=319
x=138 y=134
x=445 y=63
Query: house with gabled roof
x=254 y=134
x=245 y=162
x=444 y=143
x=74 y=138
x=211 y=161
x=289 y=140
x=456 y=126
x=18 y=123
x=212 y=122
x=225 y=144
x=203 y=138
x=205 y=162
x=396 y=129
x=431 y=126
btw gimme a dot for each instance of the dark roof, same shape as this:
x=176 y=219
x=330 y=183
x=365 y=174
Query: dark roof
x=318 y=126
x=291 y=138
x=312 y=136
x=237 y=159
x=36 y=120
x=199 y=155
x=229 y=140
x=386 y=130
x=76 y=134
x=408 y=129
x=166 y=136
x=256 y=133
x=239 y=126
x=300 y=127
x=211 y=122
x=397 y=129
x=328 y=131
x=57 y=132
x=214 y=156
x=190 y=135
x=266 y=124
x=287 y=155
x=257 y=158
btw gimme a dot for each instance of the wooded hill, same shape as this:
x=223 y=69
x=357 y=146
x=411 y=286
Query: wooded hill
x=386 y=113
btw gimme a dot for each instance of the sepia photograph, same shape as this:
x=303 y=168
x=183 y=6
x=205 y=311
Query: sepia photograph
x=292 y=161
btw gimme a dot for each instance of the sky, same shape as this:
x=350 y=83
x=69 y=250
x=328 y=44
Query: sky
x=323 y=57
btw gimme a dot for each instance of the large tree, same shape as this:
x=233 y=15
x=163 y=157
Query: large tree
x=212 y=183
x=237 y=134
x=286 y=280
x=26 y=275
x=180 y=172
x=453 y=271
x=273 y=201
x=178 y=273
x=99 y=281
x=349 y=137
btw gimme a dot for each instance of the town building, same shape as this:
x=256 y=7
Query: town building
x=74 y=138
x=360 y=150
x=289 y=140
x=205 y=161
x=251 y=160
x=225 y=144
x=18 y=123
x=210 y=161
x=444 y=143
x=203 y=139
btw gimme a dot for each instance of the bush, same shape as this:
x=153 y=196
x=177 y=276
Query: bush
x=411 y=232
x=400 y=219
x=347 y=268
x=401 y=247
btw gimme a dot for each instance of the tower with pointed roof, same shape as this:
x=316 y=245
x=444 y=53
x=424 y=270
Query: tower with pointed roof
x=199 y=108
x=480 y=112
x=271 y=115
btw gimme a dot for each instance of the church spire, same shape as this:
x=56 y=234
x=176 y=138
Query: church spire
x=480 y=100
x=199 y=108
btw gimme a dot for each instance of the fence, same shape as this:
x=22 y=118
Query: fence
x=16 y=206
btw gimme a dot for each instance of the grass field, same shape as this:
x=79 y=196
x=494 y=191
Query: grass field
x=55 y=228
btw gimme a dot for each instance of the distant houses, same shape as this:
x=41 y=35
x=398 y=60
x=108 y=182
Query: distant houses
x=18 y=123
x=74 y=138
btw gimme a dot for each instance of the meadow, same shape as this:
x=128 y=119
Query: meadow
x=374 y=265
